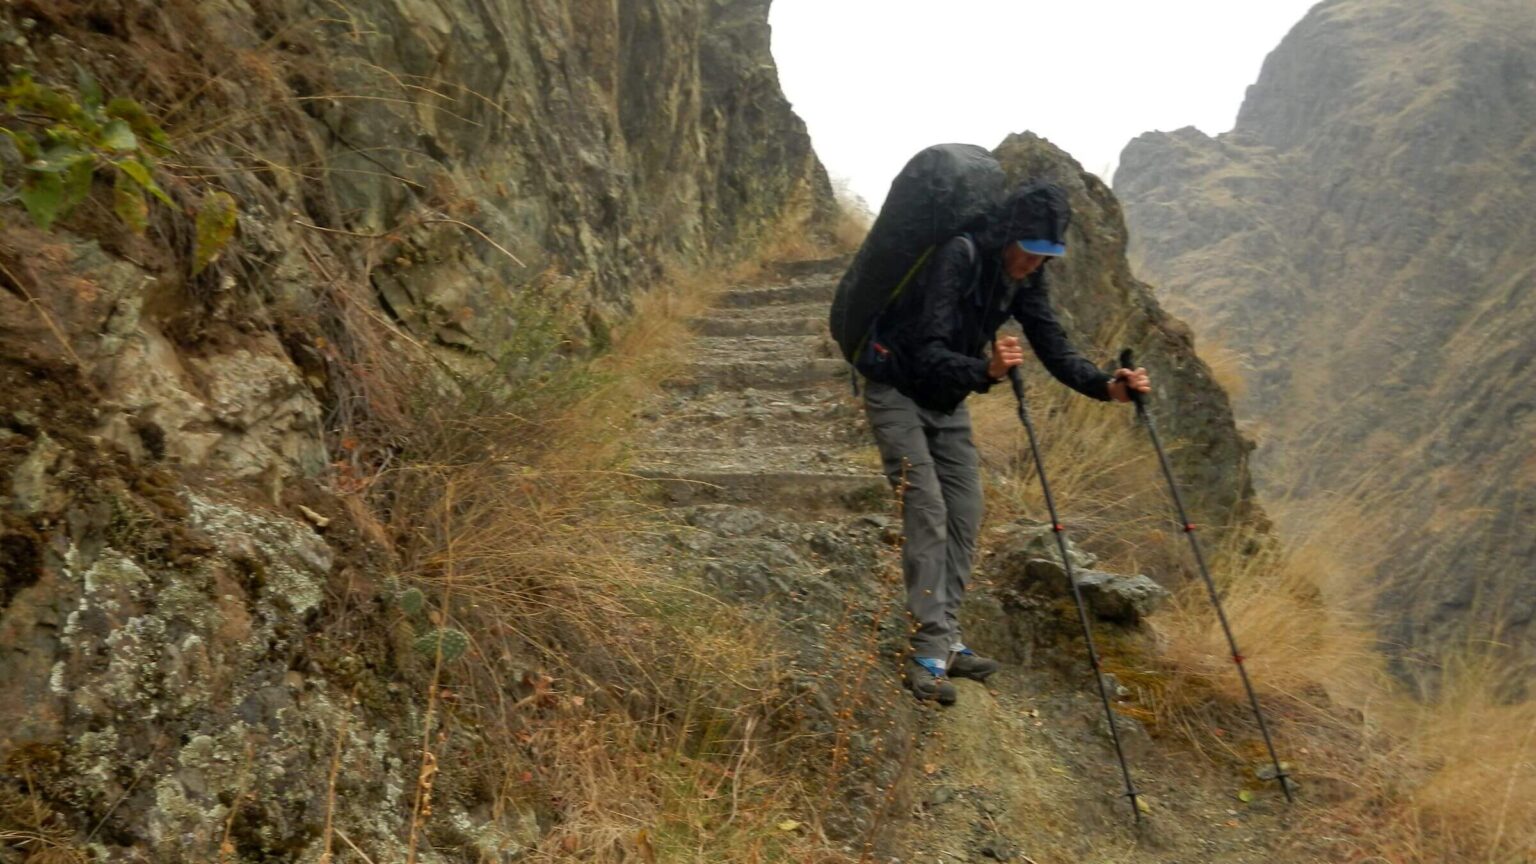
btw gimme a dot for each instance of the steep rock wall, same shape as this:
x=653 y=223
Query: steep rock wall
x=193 y=625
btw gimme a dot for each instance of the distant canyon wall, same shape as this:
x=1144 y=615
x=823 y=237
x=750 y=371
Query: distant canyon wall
x=1365 y=238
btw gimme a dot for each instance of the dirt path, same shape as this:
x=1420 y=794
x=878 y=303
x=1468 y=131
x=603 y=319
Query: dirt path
x=776 y=500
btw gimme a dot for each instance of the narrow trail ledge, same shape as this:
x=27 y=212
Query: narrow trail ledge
x=774 y=500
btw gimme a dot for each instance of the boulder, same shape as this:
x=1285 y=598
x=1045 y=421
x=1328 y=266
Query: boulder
x=1029 y=560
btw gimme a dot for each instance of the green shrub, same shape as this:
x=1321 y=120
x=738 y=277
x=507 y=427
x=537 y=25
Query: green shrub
x=64 y=138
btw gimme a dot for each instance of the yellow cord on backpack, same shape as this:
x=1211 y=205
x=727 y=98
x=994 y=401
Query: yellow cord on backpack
x=900 y=287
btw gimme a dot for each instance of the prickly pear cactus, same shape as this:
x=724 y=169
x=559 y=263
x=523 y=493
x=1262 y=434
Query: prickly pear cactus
x=412 y=601
x=453 y=642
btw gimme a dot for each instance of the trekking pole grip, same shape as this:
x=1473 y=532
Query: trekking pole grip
x=1128 y=361
x=1017 y=380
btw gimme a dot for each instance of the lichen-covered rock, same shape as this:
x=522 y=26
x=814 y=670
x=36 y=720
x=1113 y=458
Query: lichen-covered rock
x=180 y=659
x=32 y=491
x=1016 y=544
x=170 y=689
x=1026 y=559
x=1118 y=598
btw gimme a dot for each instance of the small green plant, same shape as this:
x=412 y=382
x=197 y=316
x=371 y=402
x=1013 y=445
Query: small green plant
x=64 y=138
x=429 y=636
x=413 y=601
x=452 y=642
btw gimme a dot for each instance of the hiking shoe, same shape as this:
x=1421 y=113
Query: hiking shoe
x=966 y=663
x=925 y=677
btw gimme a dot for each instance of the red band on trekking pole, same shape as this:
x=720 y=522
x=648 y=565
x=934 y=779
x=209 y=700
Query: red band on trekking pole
x=1127 y=361
x=1058 y=527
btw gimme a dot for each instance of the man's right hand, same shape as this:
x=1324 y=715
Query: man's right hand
x=1006 y=354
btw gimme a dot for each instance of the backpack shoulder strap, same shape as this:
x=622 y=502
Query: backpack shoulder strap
x=905 y=280
x=970 y=246
x=975 y=256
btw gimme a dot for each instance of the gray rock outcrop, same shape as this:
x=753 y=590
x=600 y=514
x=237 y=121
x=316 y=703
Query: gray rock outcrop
x=1026 y=559
x=1105 y=307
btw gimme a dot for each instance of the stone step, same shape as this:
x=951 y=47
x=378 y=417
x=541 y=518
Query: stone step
x=752 y=433
x=761 y=374
x=722 y=326
x=836 y=424
x=772 y=459
x=801 y=492
x=750 y=401
x=712 y=349
x=831 y=268
x=779 y=295
x=812 y=309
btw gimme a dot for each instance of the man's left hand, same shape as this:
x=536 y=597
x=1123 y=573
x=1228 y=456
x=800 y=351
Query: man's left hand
x=1127 y=380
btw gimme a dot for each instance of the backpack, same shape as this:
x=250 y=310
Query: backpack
x=943 y=191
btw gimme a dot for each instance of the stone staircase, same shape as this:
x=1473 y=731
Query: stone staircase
x=763 y=416
x=777 y=503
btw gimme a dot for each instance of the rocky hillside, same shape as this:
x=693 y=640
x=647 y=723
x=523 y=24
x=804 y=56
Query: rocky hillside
x=202 y=417
x=1363 y=238
x=775 y=500
x=327 y=533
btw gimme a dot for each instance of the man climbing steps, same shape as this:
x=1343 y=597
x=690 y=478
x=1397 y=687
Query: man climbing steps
x=932 y=338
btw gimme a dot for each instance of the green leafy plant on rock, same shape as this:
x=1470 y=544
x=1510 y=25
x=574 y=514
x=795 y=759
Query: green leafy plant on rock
x=452 y=642
x=64 y=138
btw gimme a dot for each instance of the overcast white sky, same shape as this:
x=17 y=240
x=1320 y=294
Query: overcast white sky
x=878 y=80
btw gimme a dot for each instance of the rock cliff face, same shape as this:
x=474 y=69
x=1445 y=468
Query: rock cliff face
x=171 y=547
x=1363 y=236
x=1106 y=306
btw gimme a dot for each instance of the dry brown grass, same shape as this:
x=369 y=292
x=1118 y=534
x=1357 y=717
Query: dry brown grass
x=794 y=241
x=1399 y=779
x=1479 y=789
x=849 y=229
x=1301 y=615
x=1228 y=366
x=1102 y=471
x=1387 y=777
x=623 y=706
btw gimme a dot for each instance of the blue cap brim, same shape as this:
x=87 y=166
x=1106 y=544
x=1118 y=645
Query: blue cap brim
x=1043 y=247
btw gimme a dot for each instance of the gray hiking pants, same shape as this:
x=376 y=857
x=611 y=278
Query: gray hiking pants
x=932 y=453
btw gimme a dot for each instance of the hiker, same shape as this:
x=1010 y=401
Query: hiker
x=941 y=329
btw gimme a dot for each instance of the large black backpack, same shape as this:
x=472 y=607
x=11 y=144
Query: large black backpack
x=943 y=191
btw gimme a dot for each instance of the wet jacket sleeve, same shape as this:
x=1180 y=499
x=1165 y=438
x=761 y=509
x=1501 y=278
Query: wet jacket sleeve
x=1032 y=309
x=936 y=363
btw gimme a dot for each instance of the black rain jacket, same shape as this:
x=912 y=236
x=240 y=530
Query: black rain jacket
x=942 y=324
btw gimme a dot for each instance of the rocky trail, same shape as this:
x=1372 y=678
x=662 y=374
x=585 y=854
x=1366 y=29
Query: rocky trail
x=774 y=499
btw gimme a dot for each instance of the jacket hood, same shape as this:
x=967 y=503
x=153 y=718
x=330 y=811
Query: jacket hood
x=1034 y=211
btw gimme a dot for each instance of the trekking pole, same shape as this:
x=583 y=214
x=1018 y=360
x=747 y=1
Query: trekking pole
x=1077 y=595
x=1126 y=361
